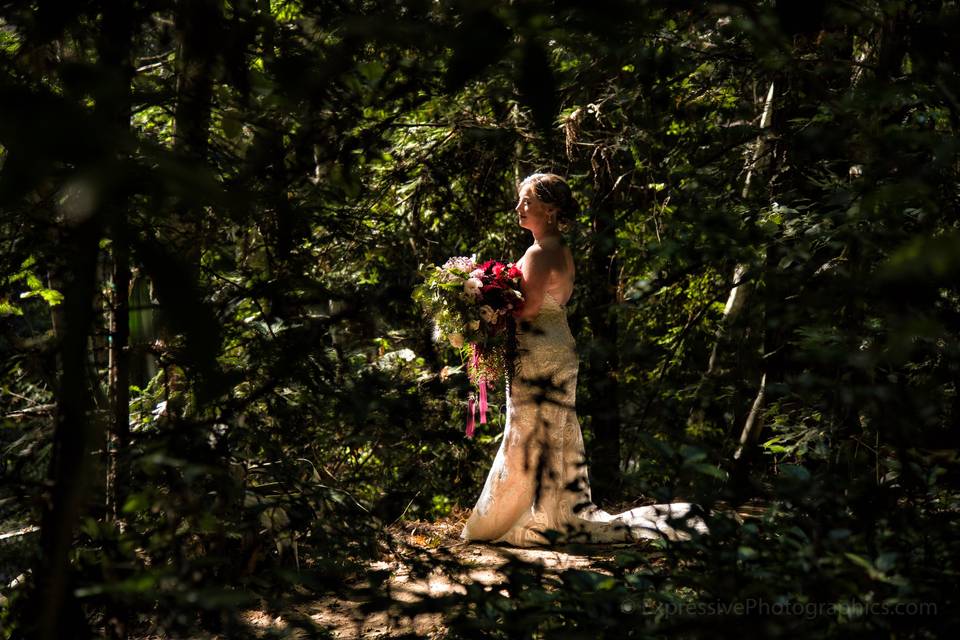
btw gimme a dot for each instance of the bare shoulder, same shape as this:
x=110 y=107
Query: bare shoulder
x=533 y=257
x=546 y=256
x=533 y=249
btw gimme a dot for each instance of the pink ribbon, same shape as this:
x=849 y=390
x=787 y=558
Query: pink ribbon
x=470 y=418
x=471 y=406
x=483 y=402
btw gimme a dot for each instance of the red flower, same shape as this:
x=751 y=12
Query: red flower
x=493 y=286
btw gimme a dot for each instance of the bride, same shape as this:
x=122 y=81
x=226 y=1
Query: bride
x=537 y=491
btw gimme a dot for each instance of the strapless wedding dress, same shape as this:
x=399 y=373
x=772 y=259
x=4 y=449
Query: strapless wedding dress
x=538 y=491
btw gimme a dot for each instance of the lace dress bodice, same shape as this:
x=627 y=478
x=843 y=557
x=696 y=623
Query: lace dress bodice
x=537 y=491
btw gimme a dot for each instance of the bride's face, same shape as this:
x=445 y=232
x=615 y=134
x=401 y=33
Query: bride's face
x=531 y=212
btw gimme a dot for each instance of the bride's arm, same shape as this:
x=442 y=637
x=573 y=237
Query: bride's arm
x=536 y=274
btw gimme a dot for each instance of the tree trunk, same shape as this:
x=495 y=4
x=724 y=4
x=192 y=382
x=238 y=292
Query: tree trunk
x=736 y=301
x=173 y=261
x=740 y=292
x=114 y=48
x=752 y=426
x=116 y=618
x=197 y=52
x=604 y=361
x=196 y=22
x=754 y=421
x=119 y=372
x=75 y=435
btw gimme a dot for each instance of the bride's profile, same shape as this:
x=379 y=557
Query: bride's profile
x=538 y=491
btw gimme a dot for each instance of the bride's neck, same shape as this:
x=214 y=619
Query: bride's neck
x=545 y=236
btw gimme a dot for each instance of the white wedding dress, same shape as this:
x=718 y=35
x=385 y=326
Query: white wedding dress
x=537 y=491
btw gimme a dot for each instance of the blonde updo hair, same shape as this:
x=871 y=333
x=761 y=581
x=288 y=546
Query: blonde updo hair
x=553 y=190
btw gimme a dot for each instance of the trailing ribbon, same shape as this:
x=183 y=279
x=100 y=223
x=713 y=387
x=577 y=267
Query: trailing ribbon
x=483 y=402
x=470 y=418
x=474 y=405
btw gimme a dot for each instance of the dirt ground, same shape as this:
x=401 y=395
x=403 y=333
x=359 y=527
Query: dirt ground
x=479 y=564
x=344 y=616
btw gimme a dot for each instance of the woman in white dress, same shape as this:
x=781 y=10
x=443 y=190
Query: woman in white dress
x=538 y=491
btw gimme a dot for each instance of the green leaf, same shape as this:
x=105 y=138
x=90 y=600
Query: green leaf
x=51 y=296
x=9 y=309
x=135 y=503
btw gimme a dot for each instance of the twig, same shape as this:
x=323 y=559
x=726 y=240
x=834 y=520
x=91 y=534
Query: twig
x=405 y=509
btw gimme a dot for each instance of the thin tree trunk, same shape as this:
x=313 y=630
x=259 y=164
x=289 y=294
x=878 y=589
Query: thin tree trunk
x=118 y=439
x=740 y=291
x=751 y=427
x=760 y=149
x=75 y=435
x=736 y=301
x=114 y=48
x=119 y=373
x=754 y=421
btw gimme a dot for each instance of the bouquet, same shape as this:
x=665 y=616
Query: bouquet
x=473 y=307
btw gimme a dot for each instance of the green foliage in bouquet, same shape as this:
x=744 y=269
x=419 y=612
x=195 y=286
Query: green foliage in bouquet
x=472 y=308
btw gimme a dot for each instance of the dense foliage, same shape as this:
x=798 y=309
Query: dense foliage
x=218 y=393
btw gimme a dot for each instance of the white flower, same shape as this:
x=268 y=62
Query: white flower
x=487 y=313
x=472 y=286
x=456 y=339
x=460 y=263
x=476 y=273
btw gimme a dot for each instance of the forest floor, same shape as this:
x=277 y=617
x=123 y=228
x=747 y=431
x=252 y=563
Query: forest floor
x=345 y=617
x=439 y=541
x=424 y=561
